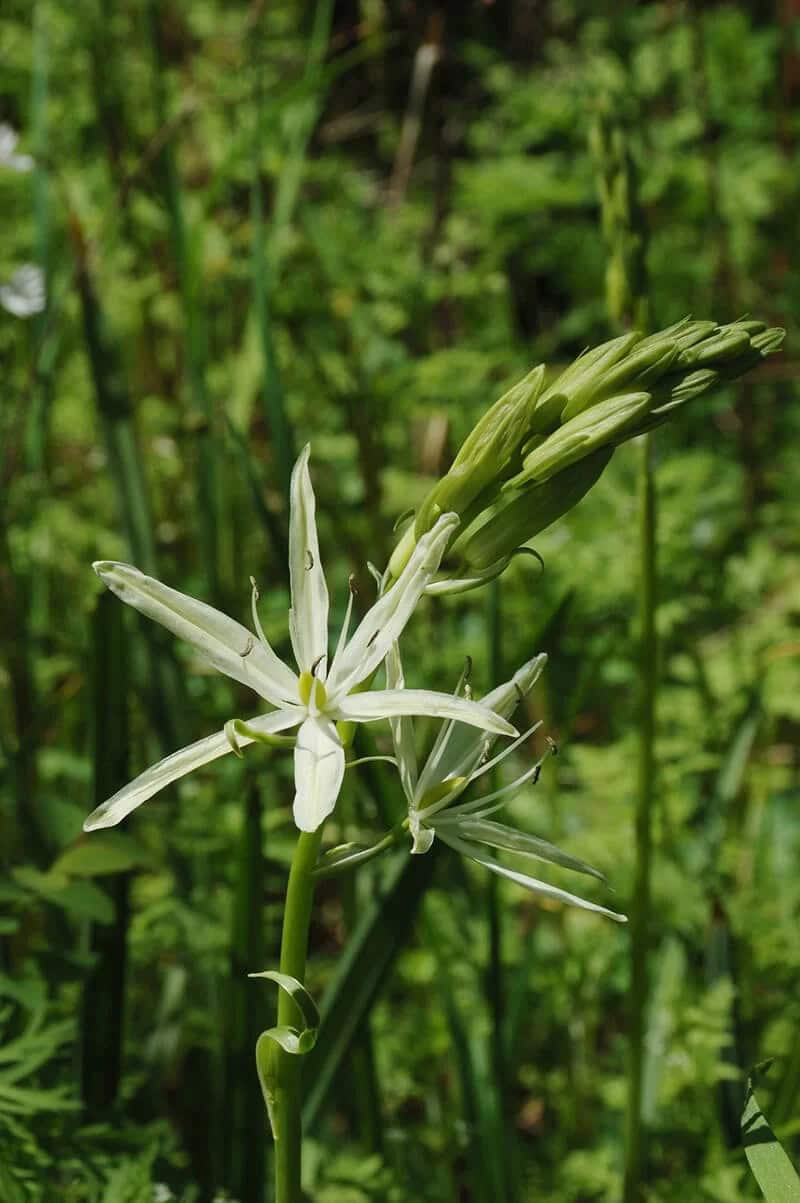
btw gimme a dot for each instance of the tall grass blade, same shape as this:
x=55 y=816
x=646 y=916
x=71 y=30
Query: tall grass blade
x=772 y=1169
x=115 y=409
x=362 y=970
x=244 y=1146
x=641 y=903
x=186 y=244
x=272 y=389
x=103 y=1002
x=43 y=336
x=494 y=975
x=477 y=1078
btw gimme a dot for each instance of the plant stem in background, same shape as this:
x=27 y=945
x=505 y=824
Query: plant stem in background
x=625 y=234
x=243 y=1145
x=115 y=410
x=495 y=987
x=185 y=250
x=43 y=336
x=272 y=388
x=103 y=1003
x=294 y=949
x=640 y=907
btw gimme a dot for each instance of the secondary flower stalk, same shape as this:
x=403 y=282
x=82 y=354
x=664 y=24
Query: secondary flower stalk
x=460 y=757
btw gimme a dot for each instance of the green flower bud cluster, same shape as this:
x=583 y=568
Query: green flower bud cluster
x=538 y=450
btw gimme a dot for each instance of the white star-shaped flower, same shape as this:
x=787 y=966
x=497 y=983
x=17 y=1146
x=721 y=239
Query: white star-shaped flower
x=459 y=757
x=24 y=294
x=8 y=150
x=313 y=699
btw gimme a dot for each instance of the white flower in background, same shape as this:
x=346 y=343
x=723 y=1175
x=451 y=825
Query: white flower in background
x=459 y=757
x=8 y=147
x=24 y=294
x=314 y=699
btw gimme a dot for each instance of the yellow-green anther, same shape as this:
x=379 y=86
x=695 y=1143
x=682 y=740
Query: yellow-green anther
x=486 y=454
x=441 y=791
x=306 y=685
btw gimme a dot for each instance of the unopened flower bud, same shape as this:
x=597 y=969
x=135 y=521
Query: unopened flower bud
x=487 y=454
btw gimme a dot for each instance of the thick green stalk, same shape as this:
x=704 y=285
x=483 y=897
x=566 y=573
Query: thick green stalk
x=294 y=948
x=640 y=908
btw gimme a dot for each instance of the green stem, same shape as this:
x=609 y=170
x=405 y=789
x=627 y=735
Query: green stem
x=640 y=909
x=294 y=947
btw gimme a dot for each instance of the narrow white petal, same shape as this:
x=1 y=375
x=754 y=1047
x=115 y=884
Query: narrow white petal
x=441 y=763
x=506 y=697
x=383 y=623
x=476 y=853
x=464 y=753
x=308 y=619
x=222 y=641
x=507 y=750
x=318 y=772
x=179 y=764
x=388 y=703
x=481 y=807
x=402 y=727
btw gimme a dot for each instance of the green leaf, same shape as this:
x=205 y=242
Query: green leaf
x=296 y=1042
x=362 y=969
x=106 y=852
x=81 y=899
x=772 y=1169
x=301 y=998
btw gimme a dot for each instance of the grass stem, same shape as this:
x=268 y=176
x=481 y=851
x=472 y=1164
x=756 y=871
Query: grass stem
x=640 y=908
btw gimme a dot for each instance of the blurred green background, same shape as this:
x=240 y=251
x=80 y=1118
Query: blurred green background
x=355 y=223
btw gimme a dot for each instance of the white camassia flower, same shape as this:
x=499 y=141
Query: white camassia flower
x=24 y=294
x=312 y=699
x=459 y=757
x=8 y=150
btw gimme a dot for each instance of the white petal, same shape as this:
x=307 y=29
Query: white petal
x=318 y=772
x=308 y=619
x=223 y=642
x=402 y=728
x=388 y=703
x=506 y=697
x=24 y=294
x=383 y=623
x=476 y=853
x=464 y=752
x=179 y=764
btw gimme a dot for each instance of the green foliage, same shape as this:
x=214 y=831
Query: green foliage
x=231 y=270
